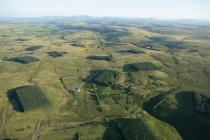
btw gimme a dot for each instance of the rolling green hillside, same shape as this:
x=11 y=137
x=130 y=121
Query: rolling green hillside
x=143 y=128
x=104 y=79
x=187 y=111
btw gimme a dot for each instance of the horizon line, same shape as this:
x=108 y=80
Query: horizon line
x=123 y=17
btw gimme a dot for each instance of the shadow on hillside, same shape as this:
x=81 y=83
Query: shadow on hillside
x=179 y=111
x=112 y=132
x=14 y=100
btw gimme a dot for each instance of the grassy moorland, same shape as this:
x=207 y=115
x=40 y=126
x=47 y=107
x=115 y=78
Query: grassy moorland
x=136 y=80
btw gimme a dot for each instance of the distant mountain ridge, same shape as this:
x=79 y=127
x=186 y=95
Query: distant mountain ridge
x=48 y=19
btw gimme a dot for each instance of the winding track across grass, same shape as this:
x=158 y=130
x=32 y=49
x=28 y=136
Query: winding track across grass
x=51 y=110
x=3 y=117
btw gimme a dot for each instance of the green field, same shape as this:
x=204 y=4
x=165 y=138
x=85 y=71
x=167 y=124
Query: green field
x=104 y=80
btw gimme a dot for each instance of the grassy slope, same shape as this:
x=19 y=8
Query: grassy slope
x=178 y=109
x=146 y=127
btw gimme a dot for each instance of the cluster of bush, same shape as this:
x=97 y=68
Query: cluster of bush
x=56 y=54
x=108 y=77
x=97 y=57
x=78 y=45
x=201 y=103
x=23 y=59
x=27 y=98
x=132 y=51
x=104 y=77
x=34 y=48
x=22 y=39
x=134 y=129
x=142 y=66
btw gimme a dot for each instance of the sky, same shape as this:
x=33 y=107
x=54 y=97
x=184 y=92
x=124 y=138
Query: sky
x=161 y=9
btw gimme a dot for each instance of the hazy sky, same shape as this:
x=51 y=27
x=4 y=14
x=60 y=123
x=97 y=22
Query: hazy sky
x=172 y=9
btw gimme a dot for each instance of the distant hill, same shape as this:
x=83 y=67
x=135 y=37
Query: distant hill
x=121 y=20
